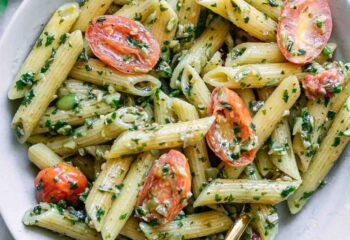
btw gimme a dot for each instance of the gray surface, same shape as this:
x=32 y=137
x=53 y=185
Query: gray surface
x=4 y=19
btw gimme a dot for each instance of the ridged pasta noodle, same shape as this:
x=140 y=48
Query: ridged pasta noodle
x=251 y=76
x=191 y=226
x=94 y=71
x=42 y=156
x=38 y=99
x=100 y=131
x=160 y=137
x=50 y=38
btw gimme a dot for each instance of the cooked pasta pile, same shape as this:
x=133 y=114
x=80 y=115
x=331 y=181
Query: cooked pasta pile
x=188 y=119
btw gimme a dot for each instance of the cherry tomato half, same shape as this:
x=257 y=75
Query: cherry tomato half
x=304 y=29
x=122 y=43
x=324 y=84
x=61 y=182
x=232 y=136
x=166 y=189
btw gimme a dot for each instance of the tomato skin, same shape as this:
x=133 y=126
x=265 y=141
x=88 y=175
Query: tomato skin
x=232 y=128
x=123 y=44
x=324 y=84
x=165 y=190
x=61 y=182
x=304 y=29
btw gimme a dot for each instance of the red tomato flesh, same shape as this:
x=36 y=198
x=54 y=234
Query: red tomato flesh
x=232 y=137
x=166 y=189
x=304 y=29
x=324 y=84
x=61 y=182
x=123 y=44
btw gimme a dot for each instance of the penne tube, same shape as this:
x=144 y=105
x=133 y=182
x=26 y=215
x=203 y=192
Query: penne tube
x=161 y=137
x=197 y=155
x=94 y=71
x=38 y=99
x=163 y=22
x=265 y=217
x=189 y=12
x=54 y=119
x=90 y=10
x=272 y=9
x=163 y=108
x=42 y=156
x=84 y=90
x=232 y=172
x=40 y=55
x=317 y=117
x=254 y=53
x=191 y=226
x=215 y=61
x=264 y=163
x=244 y=16
x=281 y=150
x=131 y=230
x=330 y=149
x=281 y=100
x=247 y=96
x=195 y=90
x=54 y=218
x=106 y=188
x=202 y=49
x=265 y=220
x=124 y=204
x=138 y=10
x=246 y=191
x=100 y=131
x=251 y=76
x=238 y=228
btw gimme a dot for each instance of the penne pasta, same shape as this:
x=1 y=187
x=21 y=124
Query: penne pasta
x=246 y=191
x=191 y=226
x=195 y=90
x=281 y=150
x=41 y=54
x=38 y=99
x=94 y=71
x=100 y=131
x=270 y=8
x=203 y=48
x=123 y=205
x=254 y=53
x=106 y=188
x=42 y=156
x=55 y=218
x=197 y=155
x=238 y=228
x=330 y=149
x=264 y=163
x=281 y=100
x=90 y=10
x=317 y=117
x=163 y=108
x=160 y=137
x=244 y=16
x=251 y=76
x=55 y=119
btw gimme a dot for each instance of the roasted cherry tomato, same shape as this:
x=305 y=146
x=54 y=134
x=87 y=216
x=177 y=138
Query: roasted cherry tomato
x=304 y=29
x=61 y=182
x=166 y=189
x=122 y=43
x=232 y=136
x=324 y=84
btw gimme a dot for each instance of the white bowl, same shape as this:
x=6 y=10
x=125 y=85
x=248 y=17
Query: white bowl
x=326 y=216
